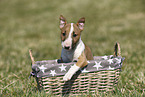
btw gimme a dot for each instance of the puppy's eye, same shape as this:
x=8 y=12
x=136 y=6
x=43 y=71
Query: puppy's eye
x=74 y=35
x=64 y=33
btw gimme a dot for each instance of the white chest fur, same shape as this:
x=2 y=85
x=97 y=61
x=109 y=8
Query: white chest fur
x=73 y=54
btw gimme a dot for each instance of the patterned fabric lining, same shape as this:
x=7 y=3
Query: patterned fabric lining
x=51 y=68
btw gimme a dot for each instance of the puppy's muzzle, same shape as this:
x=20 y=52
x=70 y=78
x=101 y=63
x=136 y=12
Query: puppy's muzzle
x=67 y=47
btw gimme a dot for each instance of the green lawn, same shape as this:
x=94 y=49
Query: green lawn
x=34 y=24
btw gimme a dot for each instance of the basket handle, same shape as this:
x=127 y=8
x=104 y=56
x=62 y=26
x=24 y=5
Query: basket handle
x=117 y=50
x=32 y=58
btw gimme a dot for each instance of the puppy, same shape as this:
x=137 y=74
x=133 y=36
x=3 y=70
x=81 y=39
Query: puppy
x=73 y=48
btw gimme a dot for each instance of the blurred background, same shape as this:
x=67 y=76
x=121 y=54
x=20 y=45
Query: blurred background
x=34 y=24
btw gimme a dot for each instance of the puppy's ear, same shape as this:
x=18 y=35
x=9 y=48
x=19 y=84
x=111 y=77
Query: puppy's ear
x=62 y=21
x=81 y=23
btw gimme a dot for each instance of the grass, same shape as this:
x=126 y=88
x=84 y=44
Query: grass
x=34 y=24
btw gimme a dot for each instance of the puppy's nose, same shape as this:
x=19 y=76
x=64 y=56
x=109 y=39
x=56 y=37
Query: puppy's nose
x=67 y=47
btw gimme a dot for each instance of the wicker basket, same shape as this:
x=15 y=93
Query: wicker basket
x=102 y=80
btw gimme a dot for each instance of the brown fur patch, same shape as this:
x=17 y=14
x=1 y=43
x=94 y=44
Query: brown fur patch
x=66 y=30
x=88 y=53
x=82 y=60
x=77 y=33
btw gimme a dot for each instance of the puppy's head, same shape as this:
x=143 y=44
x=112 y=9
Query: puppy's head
x=70 y=32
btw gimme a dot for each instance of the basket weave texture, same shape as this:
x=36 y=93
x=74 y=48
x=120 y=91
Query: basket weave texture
x=100 y=75
x=86 y=83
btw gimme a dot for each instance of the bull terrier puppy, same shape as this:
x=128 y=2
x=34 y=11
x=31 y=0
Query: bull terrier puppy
x=73 y=48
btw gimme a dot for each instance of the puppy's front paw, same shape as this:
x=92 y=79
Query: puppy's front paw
x=71 y=72
x=67 y=76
